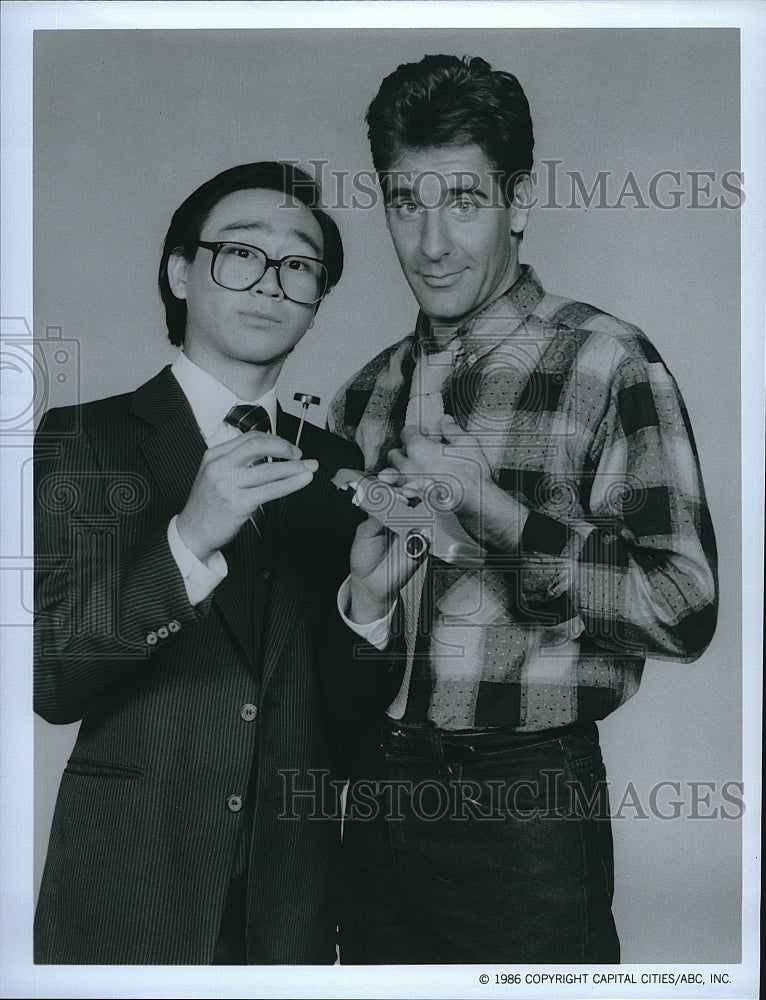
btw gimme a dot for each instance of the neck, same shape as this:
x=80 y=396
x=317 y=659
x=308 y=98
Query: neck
x=441 y=334
x=246 y=380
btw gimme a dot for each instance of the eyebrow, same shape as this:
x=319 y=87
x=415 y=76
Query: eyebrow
x=398 y=191
x=250 y=225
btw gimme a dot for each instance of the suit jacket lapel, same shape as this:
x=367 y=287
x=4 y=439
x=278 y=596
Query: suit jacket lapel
x=173 y=452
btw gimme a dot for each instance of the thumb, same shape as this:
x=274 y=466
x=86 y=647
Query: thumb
x=370 y=528
x=450 y=429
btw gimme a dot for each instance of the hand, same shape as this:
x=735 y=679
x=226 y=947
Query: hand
x=450 y=468
x=452 y=473
x=379 y=569
x=232 y=481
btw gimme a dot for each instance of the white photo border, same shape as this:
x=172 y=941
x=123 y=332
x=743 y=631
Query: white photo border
x=18 y=976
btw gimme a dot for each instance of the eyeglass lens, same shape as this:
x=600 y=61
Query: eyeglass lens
x=239 y=267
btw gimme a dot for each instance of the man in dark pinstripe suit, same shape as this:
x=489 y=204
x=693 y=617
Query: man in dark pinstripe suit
x=185 y=612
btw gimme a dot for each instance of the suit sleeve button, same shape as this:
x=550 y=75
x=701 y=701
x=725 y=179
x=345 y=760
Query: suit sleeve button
x=235 y=803
x=162 y=632
x=174 y=626
x=248 y=712
x=152 y=639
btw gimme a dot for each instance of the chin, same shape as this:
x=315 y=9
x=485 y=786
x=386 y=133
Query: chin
x=446 y=318
x=443 y=309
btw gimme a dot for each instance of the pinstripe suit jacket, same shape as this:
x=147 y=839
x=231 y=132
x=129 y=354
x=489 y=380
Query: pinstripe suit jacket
x=146 y=826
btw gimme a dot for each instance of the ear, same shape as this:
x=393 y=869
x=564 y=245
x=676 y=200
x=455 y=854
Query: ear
x=178 y=268
x=521 y=204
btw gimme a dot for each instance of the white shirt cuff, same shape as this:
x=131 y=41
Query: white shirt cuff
x=200 y=578
x=377 y=632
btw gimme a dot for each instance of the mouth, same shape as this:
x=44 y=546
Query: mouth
x=441 y=280
x=260 y=318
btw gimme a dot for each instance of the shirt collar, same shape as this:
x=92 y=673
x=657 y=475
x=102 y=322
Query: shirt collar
x=495 y=321
x=210 y=400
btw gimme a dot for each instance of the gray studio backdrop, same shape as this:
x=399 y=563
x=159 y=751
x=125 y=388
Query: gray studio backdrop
x=127 y=123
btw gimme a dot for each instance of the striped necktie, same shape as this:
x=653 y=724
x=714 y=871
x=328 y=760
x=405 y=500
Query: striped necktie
x=247 y=418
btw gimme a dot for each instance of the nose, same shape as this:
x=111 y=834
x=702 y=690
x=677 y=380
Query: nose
x=435 y=240
x=268 y=283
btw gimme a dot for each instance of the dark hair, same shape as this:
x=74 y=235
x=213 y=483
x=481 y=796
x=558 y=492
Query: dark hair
x=448 y=101
x=188 y=220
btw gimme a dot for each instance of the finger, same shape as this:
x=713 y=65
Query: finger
x=389 y=475
x=370 y=528
x=280 y=488
x=472 y=448
x=252 y=447
x=270 y=472
x=257 y=446
x=418 y=448
x=398 y=459
x=451 y=430
x=411 y=436
x=413 y=487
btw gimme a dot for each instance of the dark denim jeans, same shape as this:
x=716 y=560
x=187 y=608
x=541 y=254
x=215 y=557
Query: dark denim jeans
x=463 y=851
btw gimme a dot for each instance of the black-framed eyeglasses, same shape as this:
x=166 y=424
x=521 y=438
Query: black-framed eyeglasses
x=239 y=266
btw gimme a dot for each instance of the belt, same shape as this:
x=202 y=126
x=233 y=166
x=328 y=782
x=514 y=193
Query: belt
x=460 y=747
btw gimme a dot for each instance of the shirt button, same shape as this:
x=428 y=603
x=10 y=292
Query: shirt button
x=234 y=802
x=248 y=712
x=471 y=359
x=174 y=626
x=162 y=632
x=151 y=639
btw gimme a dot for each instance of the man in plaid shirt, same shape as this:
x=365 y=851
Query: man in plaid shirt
x=560 y=440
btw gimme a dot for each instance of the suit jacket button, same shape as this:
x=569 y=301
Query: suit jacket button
x=248 y=712
x=266 y=574
x=152 y=639
x=235 y=803
x=174 y=626
x=162 y=632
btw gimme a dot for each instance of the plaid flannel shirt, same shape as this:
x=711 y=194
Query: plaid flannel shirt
x=580 y=421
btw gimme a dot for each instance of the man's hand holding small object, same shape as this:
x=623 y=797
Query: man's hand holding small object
x=418 y=507
x=234 y=479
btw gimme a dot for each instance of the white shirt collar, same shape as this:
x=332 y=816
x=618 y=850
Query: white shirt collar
x=210 y=401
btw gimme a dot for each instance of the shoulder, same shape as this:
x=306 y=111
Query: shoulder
x=391 y=355
x=596 y=335
x=112 y=417
x=352 y=397
x=96 y=413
